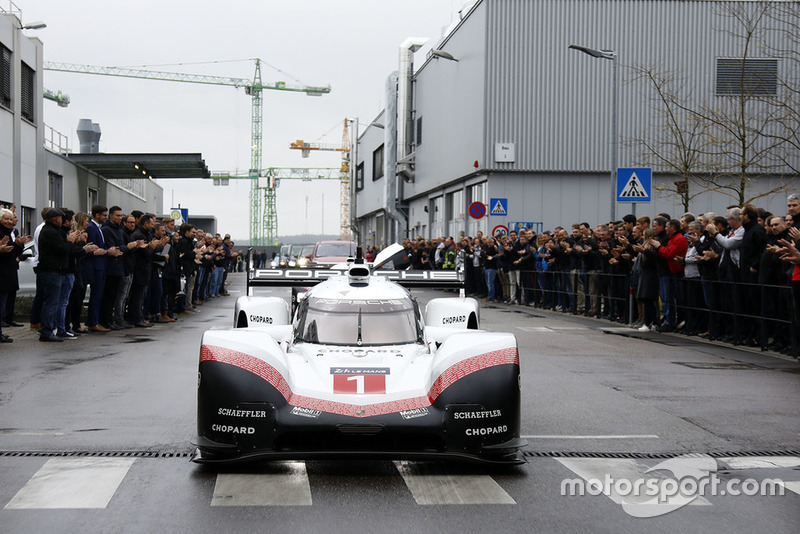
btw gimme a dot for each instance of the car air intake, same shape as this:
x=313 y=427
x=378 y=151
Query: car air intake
x=360 y=430
x=358 y=275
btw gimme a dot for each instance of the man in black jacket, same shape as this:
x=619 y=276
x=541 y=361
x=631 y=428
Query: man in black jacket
x=753 y=244
x=186 y=256
x=53 y=259
x=143 y=257
x=115 y=267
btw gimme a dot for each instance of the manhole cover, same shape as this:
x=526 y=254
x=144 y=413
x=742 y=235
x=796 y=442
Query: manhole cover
x=725 y=365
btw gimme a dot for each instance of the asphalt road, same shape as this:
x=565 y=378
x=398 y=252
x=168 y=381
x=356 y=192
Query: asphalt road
x=94 y=437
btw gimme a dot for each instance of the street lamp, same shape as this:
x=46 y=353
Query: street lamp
x=34 y=26
x=612 y=55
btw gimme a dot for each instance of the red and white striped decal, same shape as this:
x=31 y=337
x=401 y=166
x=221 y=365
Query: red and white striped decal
x=275 y=379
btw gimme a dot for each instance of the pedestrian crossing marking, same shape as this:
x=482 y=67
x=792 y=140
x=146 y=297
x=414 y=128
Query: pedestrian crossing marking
x=634 y=188
x=90 y=483
x=72 y=483
x=431 y=484
x=287 y=486
x=791 y=485
x=499 y=209
x=760 y=462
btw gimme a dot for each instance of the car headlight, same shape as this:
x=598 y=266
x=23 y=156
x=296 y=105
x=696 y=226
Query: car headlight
x=292 y=263
x=302 y=262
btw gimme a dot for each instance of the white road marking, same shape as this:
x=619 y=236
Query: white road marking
x=631 y=471
x=610 y=436
x=430 y=484
x=534 y=329
x=761 y=462
x=791 y=485
x=287 y=486
x=72 y=483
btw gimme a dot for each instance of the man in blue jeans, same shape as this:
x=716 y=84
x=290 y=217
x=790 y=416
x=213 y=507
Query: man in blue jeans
x=53 y=259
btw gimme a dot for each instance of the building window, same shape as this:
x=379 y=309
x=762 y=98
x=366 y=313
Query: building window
x=377 y=163
x=5 y=77
x=360 y=177
x=26 y=224
x=92 y=198
x=26 y=94
x=419 y=131
x=747 y=77
x=56 y=190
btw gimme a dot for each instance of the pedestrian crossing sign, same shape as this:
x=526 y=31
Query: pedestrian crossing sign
x=634 y=185
x=499 y=206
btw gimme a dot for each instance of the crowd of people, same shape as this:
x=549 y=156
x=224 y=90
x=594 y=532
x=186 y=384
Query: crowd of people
x=733 y=278
x=138 y=270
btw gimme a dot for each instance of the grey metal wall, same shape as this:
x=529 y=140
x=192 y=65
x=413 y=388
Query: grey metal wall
x=554 y=103
x=373 y=196
x=449 y=96
x=517 y=81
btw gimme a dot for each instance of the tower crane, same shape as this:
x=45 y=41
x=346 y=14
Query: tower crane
x=263 y=212
x=344 y=173
x=56 y=96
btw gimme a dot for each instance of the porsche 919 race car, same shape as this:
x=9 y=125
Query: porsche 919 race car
x=358 y=371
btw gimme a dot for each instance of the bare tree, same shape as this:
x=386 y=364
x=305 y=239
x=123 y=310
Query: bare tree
x=676 y=149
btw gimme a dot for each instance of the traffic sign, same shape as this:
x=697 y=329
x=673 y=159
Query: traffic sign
x=500 y=229
x=634 y=185
x=499 y=206
x=477 y=210
x=180 y=215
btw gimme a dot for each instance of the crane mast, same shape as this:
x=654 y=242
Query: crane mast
x=263 y=210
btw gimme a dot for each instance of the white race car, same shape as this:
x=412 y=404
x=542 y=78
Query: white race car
x=359 y=371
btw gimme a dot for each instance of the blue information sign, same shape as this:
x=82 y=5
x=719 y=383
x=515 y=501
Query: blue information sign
x=634 y=185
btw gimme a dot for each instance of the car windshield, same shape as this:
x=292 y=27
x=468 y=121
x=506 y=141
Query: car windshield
x=357 y=322
x=335 y=249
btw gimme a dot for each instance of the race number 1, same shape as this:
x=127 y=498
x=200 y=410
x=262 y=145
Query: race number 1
x=359 y=384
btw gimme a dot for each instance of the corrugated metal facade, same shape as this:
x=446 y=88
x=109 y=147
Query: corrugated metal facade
x=516 y=81
x=554 y=103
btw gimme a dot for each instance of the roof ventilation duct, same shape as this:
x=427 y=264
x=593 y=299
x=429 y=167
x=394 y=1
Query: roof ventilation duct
x=89 y=136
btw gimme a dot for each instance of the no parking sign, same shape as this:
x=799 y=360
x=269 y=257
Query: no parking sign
x=477 y=210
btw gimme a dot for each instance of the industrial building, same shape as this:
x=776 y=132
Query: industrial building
x=39 y=169
x=500 y=110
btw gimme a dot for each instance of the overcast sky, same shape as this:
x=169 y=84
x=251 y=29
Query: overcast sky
x=351 y=45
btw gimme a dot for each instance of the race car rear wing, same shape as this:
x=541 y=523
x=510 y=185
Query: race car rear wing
x=310 y=277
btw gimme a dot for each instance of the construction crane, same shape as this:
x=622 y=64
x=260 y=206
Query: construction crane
x=344 y=174
x=271 y=177
x=263 y=212
x=61 y=99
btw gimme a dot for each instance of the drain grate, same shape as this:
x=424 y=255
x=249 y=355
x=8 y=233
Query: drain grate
x=96 y=454
x=722 y=365
x=527 y=454
x=651 y=455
